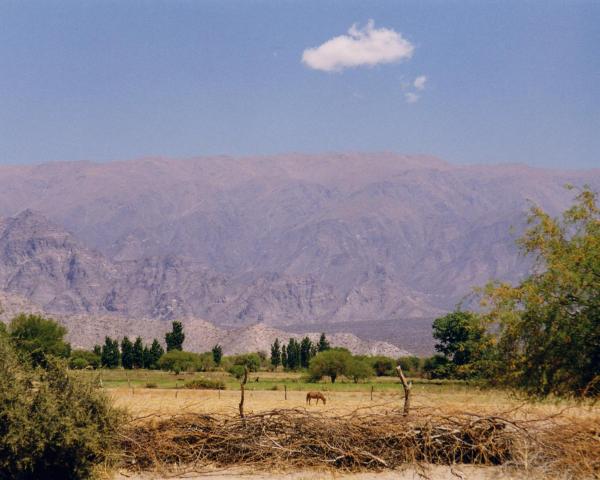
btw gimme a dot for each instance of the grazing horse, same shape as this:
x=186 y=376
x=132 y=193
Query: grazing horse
x=316 y=395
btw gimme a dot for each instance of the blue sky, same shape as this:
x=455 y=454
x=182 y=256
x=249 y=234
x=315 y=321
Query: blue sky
x=506 y=81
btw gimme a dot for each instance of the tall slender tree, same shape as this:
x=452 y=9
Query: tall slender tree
x=126 y=353
x=284 y=359
x=305 y=352
x=217 y=353
x=174 y=339
x=323 y=343
x=138 y=353
x=276 y=353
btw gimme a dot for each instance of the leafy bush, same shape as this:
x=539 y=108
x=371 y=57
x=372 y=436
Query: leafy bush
x=151 y=385
x=51 y=425
x=83 y=358
x=205 y=384
x=331 y=363
x=383 y=365
x=38 y=336
x=250 y=360
x=178 y=361
x=359 y=369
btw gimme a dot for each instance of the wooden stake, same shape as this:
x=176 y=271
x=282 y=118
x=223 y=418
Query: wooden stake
x=285 y=391
x=242 y=383
x=407 y=386
x=371 y=392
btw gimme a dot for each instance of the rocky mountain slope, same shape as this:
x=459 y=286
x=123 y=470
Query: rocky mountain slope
x=287 y=240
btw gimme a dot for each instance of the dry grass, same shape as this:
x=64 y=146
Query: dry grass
x=143 y=402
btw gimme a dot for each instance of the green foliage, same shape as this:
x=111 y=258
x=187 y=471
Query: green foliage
x=174 y=339
x=330 y=363
x=138 y=353
x=438 y=367
x=549 y=325
x=51 y=425
x=359 y=369
x=276 y=353
x=293 y=355
x=236 y=370
x=323 y=343
x=217 y=353
x=284 y=357
x=80 y=359
x=463 y=341
x=383 y=365
x=306 y=349
x=249 y=360
x=127 y=353
x=178 y=361
x=411 y=365
x=110 y=356
x=205 y=384
x=38 y=337
x=156 y=351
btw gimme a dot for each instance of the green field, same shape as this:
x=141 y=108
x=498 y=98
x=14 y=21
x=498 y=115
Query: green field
x=293 y=381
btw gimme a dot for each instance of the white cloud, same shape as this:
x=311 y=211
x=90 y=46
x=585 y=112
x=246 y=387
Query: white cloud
x=411 y=97
x=419 y=82
x=368 y=47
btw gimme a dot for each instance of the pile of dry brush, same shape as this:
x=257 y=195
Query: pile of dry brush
x=362 y=440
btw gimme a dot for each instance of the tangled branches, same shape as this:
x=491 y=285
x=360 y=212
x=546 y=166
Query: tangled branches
x=358 y=441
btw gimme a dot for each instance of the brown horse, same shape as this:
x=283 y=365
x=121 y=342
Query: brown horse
x=315 y=395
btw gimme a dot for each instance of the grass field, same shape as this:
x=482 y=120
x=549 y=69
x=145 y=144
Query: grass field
x=275 y=390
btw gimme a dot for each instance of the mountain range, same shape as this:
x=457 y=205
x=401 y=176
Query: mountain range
x=299 y=242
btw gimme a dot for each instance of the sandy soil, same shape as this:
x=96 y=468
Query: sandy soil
x=430 y=472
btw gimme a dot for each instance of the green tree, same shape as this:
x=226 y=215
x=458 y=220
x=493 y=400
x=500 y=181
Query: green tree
x=323 y=343
x=97 y=350
x=156 y=351
x=38 y=337
x=83 y=358
x=147 y=356
x=276 y=353
x=383 y=365
x=305 y=352
x=174 y=339
x=359 y=369
x=110 y=356
x=217 y=353
x=127 y=353
x=177 y=361
x=293 y=354
x=548 y=326
x=462 y=340
x=138 y=353
x=284 y=357
x=330 y=363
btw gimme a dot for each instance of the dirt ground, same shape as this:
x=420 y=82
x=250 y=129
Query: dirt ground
x=429 y=472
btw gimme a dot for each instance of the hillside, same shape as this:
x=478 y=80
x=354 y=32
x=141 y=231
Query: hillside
x=294 y=240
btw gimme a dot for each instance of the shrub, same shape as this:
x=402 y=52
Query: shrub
x=178 y=361
x=83 y=358
x=151 y=385
x=359 y=369
x=51 y=425
x=330 y=363
x=383 y=366
x=205 y=384
x=38 y=336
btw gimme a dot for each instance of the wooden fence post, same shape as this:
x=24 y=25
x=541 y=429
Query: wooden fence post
x=407 y=386
x=285 y=391
x=242 y=383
